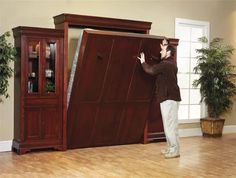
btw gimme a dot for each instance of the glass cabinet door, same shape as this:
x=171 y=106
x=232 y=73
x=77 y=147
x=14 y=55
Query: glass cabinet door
x=50 y=67
x=33 y=66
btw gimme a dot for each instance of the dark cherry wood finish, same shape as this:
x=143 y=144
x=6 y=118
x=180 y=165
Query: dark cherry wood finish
x=66 y=21
x=153 y=129
x=111 y=93
x=38 y=114
x=102 y=23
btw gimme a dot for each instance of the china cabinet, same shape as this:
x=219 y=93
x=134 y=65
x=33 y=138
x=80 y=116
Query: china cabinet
x=38 y=102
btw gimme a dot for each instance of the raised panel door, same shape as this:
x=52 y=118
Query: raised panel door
x=33 y=124
x=52 y=123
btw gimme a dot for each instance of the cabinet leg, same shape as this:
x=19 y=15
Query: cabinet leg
x=20 y=151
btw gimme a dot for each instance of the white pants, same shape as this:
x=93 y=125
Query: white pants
x=169 y=112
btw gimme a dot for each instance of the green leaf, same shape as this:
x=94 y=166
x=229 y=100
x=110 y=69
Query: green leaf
x=217 y=77
x=7 y=55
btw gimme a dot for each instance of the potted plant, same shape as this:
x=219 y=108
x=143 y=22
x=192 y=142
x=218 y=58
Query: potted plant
x=216 y=83
x=7 y=55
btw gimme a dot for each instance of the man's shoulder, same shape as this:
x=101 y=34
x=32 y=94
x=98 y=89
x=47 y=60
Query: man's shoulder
x=168 y=62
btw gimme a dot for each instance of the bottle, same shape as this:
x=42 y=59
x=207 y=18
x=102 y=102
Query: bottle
x=30 y=86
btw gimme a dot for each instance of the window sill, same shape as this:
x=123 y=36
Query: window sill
x=187 y=121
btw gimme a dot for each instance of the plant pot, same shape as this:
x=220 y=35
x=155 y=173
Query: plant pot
x=212 y=127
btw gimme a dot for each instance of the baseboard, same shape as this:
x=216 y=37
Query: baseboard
x=229 y=129
x=190 y=132
x=197 y=131
x=5 y=145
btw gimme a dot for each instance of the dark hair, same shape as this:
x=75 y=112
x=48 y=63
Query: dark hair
x=171 y=49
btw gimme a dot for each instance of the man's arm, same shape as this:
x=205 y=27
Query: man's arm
x=150 y=69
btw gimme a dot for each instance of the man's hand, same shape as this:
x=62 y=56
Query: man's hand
x=164 y=42
x=142 y=57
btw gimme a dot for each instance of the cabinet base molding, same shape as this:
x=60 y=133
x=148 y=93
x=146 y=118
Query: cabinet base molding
x=22 y=148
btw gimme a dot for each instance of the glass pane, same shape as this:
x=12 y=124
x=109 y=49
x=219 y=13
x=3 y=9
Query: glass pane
x=184 y=96
x=195 y=112
x=50 y=67
x=183 y=80
x=183 y=49
x=183 y=65
x=33 y=66
x=196 y=33
x=183 y=33
x=193 y=64
x=183 y=112
x=195 y=96
x=195 y=46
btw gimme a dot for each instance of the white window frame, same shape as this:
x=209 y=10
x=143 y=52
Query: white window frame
x=206 y=30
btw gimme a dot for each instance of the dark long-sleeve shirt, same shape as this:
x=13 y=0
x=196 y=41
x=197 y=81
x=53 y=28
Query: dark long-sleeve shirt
x=166 y=79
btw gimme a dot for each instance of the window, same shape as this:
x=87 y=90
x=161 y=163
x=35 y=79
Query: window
x=188 y=32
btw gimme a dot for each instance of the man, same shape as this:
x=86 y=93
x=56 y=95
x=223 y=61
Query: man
x=168 y=95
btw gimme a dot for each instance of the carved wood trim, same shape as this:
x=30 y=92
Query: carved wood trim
x=104 y=23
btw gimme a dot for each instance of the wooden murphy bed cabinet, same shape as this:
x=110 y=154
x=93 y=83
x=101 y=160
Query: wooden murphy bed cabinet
x=39 y=90
x=111 y=94
x=112 y=98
